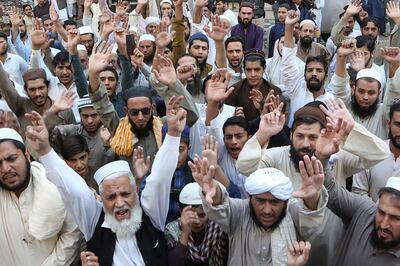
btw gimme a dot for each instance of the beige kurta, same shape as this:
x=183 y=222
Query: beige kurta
x=316 y=50
x=19 y=247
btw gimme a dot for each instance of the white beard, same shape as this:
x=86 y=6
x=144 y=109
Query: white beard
x=127 y=227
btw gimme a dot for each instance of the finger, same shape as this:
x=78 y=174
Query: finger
x=83 y=258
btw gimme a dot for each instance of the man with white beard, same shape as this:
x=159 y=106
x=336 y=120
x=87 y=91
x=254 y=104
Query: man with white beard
x=120 y=230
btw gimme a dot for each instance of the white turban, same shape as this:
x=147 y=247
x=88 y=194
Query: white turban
x=150 y=20
x=147 y=37
x=226 y=18
x=111 y=169
x=269 y=180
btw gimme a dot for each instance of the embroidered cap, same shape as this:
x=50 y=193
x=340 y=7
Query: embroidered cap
x=11 y=134
x=84 y=102
x=117 y=167
x=190 y=194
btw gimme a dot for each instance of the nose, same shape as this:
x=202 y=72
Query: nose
x=90 y=120
x=267 y=208
x=140 y=115
x=119 y=202
x=79 y=164
x=385 y=222
x=306 y=143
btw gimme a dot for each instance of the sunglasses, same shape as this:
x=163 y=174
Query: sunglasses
x=144 y=111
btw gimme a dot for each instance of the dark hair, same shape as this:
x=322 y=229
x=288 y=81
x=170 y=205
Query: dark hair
x=254 y=58
x=305 y=120
x=72 y=145
x=235 y=38
x=46 y=82
x=25 y=6
x=318 y=59
x=236 y=121
x=203 y=87
x=111 y=69
x=365 y=41
x=285 y=5
x=223 y=1
x=374 y=20
x=3 y=35
x=70 y=22
x=389 y=190
x=18 y=145
x=61 y=58
x=395 y=107
x=352 y=74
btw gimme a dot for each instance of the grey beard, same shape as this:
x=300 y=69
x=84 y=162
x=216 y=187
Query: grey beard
x=127 y=227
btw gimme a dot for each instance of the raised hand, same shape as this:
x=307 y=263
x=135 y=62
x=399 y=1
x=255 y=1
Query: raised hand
x=354 y=7
x=217 y=90
x=185 y=72
x=137 y=58
x=73 y=41
x=64 y=102
x=88 y=258
x=120 y=9
x=218 y=33
x=357 y=60
x=347 y=47
x=188 y=217
x=209 y=150
x=37 y=135
x=140 y=164
x=298 y=253
x=99 y=58
x=270 y=125
x=176 y=116
x=393 y=11
x=105 y=135
x=15 y=17
x=201 y=3
x=257 y=98
x=120 y=36
x=107 y=23
x=271 y=103
x=337 y=110
x=312 y=175
x=203 y=173
x=163 y=38
x=292 y=17
x=164 y=71
x=363 y=14
x=87 y=3
x=177 y=2
x=239 y=111
x=38 y=39
x=391 y=54
x=53 y=13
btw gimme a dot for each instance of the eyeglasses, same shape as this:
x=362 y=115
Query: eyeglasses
x=144 y=111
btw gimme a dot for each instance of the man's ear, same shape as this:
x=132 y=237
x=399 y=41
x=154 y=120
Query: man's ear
x=28 y=156
x=125 y=110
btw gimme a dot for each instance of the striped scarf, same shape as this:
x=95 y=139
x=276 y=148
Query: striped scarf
x=213 y=248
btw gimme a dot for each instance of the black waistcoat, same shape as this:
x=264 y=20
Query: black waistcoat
x=151 y=243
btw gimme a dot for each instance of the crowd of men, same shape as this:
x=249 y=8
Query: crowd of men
x=179 y=133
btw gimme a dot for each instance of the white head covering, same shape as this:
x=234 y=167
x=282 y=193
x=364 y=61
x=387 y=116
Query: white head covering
x=133 y=29
x=9 y=133
x=166 y=1
x=370 y=73
x=150 y=20
x=226 y=18
x=269 y=180
x=190 y=194
x=81 y=47
x=147 y=37
x=111 y=169
x=393 y=182
x=307 y=21
x=85 y=30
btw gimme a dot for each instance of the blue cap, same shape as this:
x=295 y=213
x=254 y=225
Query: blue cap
x=184 y=136
x=197 y=36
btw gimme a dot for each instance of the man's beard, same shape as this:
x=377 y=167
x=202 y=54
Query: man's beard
x=272 y=227
x=380 y=244
x=24 y=184
x=194 y=86
x=314 y=87
x=22 y=34
x=295 y=155
x=363 y=112
x=393 y=140
x=142 y=132
x=238 y=65
x=306 y=43
x=244 y=24
x=148 y=60
x=126 y=227
x=4 y=52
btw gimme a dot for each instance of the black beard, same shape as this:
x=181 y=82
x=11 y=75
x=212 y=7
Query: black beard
x=393 y=140
x=240 y=63
x=148 y=60
x=363 y=112
x=272 y=227
x=314 y=87
x=245 y=25
x=23 y=184
x=194 y=86
x=142 y=132
x=295 y=156
x=380 y=244
x=306 y=43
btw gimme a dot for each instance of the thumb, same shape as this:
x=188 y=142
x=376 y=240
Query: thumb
x=299 y=194
x=83 y=258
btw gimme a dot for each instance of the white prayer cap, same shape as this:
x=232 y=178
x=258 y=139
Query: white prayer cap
x=9 y=133
x=85 y=30
x=393 y=182
x=307 y=21
x=150 y=20
x=111 y=169
x=84 y=102
x=370 y=73
x=269 y=180
x=147 y=37
x=226 y=18
x=166 y=1
x=190 y=194
x=81 y=47
x=133 y=29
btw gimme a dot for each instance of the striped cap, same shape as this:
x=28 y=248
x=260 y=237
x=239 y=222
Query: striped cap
x=84 y=102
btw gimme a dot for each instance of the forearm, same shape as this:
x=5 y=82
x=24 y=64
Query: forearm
x=341 y=66
x=337 y=30
x=179 y=12
x=94 y=81
x=14 y=33
x=212 y=112
x=60 y=30
x=221 y=177
x=220 y=57
x=197 y=14
x=127 y=73
x=178 y=42
x=80 y=78
x=250 y=156
x=288 y=39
